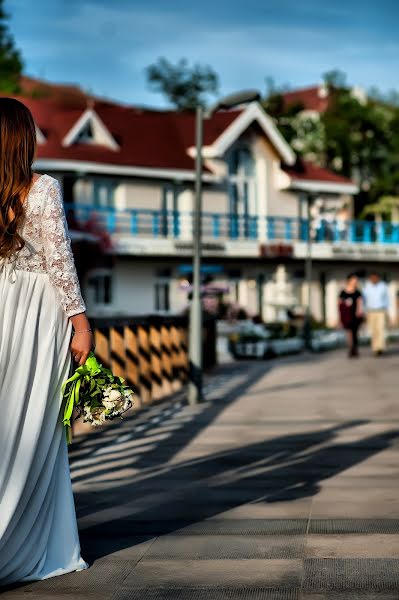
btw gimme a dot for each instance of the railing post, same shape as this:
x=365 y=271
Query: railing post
x=176 y=224
x=336 y=232
x=271 y=232
x=111 y=221
x=216 y=226
x=288 y=229
x=134 y=223
x=304 y=230
x=366 y=232
x=253 y=228
x=352 y=231
x=155 y=223
x=234 y=227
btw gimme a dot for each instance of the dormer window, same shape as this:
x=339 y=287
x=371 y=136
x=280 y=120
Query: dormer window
x=86 y=135
x=90 y=129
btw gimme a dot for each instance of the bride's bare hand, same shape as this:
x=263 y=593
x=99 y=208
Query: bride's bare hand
x=81 y=344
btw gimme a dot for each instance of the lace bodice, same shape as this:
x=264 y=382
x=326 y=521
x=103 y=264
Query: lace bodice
x=48 y=244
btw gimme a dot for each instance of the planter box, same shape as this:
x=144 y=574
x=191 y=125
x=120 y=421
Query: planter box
x=286 y=346
x=257 y=349
x=327 y=340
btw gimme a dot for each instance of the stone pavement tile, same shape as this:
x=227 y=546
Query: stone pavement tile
x=359 y=509
x=350 y=595
x=298 y=508
x=103 y=577
x=211 y=573
x=131 y=548
x=352 y=546
x=154 y=527
x=354 y=526
x=215 y=593
x=190 y=508
x=226 y=547
x=73 y=595
x=385 y=477
x=351 y=573
x=339 y=494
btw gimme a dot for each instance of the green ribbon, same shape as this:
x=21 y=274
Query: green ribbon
x=71 y=389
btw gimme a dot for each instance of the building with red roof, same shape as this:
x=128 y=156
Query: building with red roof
x=312 y=99
x=130 y=171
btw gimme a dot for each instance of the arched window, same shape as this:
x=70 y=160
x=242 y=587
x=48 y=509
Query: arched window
x=242 y=185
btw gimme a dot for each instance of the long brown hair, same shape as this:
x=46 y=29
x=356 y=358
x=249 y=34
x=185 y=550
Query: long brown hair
x=17 y=151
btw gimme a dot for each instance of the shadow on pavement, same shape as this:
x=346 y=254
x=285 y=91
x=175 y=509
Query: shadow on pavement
x=147 y=496
x=270 y=471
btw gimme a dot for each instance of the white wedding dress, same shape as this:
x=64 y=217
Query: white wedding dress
x=39 y=290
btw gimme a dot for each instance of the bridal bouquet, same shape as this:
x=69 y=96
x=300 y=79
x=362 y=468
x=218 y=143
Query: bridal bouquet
x=96 y=393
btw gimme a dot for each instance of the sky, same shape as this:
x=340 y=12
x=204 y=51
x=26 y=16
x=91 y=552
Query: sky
x=106 y=45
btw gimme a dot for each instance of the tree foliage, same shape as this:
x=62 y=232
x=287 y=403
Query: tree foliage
x=387 y=207
x=10 y=58
x=183 y=85
x=357 y=136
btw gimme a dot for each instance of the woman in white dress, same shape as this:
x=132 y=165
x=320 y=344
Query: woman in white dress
x=40 y=306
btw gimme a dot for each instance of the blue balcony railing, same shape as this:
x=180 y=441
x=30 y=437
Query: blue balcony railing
x=224 y=226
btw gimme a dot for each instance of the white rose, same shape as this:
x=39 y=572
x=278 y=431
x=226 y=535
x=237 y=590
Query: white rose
x=115 y=395
x=108 y=403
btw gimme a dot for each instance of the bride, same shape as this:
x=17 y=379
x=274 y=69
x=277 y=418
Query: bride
x=40 y=305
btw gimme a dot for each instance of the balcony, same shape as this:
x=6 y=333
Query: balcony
x=174 y=225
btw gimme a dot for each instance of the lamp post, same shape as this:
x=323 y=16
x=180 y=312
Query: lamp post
x=307 y=328
x=195 y=325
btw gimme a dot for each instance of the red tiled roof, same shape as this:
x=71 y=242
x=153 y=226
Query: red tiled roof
x=146 y=138
x=64 y=94
x=310 y=98
x=308 y=171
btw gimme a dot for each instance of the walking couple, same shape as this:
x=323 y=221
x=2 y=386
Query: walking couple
x=354 y=305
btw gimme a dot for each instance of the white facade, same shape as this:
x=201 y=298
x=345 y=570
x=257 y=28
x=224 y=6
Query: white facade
x=253 y=245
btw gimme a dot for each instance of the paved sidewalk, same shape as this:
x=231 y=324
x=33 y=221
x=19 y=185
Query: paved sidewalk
x=282 y=485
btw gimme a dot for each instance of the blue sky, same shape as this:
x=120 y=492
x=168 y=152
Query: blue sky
x=105 y=45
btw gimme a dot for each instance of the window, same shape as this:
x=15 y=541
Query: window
x=162 y=295
x=104 y=192
x=169 y=208
x=242 y=181
x=162 y=290
x=242 y=190
x=99 y=282
x=86 y=135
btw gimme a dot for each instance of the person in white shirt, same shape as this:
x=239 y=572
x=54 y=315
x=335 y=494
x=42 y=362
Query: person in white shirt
x=376 y=303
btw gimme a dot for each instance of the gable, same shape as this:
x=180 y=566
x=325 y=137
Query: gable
x=90 y=129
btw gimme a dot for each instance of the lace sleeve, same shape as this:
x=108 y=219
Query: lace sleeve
x=60 y=264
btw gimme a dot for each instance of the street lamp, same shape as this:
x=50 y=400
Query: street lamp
x=195 y=325
x=307 y=326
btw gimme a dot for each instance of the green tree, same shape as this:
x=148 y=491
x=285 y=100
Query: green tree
x=183 y=85
x=10 y=58
x=360 y=143
x=357 y=136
